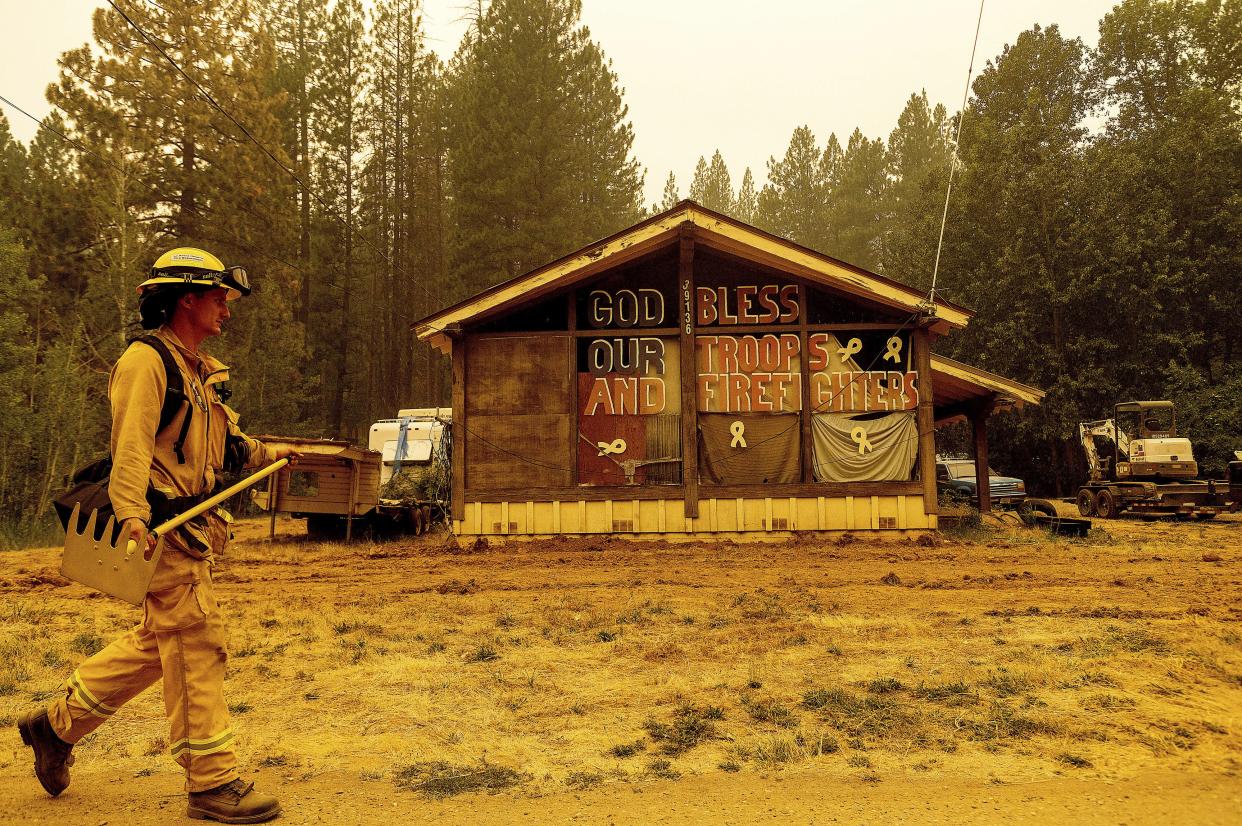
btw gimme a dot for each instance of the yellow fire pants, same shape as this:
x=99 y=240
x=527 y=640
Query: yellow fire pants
x=181 y=639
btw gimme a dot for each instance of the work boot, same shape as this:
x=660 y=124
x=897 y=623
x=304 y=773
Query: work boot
x=53 y=756
x=234 y=802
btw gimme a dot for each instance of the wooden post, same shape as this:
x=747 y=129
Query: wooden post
x=983 y=480
x=572 y=385
x=273 y=497
x=353 y=500
x=458 y=458
x=926 y=419
x=808 y=446
x=689 y=396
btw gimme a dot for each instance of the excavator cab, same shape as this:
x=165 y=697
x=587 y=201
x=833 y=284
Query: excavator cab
x=1150 y=420
x=1154 y=451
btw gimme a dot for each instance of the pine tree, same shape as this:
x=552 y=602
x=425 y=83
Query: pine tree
x=404 y=199
x=918 y=157
x=338 y=111
x=198 y=179
x=671 y=196
x=794 y=202
x=609 y=180
x=297 y=27
x=747 y=204
x=1015 y=246
x=12 y=177
x=711 y=186
x=540 y=150
x=858 y=192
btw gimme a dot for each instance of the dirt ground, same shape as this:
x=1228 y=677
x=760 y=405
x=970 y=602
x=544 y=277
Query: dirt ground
x=993 y=674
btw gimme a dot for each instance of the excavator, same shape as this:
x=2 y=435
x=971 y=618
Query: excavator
x=1138 y=464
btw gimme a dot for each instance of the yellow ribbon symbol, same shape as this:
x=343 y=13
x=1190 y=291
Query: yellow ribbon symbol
x=854 y=346
x=616 y=447
x=737 y=429
x=859 y=435
x=894 y=350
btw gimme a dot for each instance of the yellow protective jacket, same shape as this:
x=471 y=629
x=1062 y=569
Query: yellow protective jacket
x=141 y=457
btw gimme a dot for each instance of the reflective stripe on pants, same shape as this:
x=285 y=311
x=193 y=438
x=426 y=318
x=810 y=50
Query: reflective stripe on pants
x=182 y=640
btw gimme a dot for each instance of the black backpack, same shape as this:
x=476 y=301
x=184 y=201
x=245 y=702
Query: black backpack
x=89 y=485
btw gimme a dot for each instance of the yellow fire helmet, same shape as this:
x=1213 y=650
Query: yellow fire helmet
x=188 y=266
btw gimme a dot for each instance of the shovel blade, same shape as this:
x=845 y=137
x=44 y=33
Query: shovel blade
x=108 y=567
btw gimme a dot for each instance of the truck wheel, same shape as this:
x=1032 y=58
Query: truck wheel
x=1201 y=516
x=1086 y=502
x=1106 y=504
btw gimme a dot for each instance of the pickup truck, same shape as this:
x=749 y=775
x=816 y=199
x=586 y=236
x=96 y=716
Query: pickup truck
x=955 y=479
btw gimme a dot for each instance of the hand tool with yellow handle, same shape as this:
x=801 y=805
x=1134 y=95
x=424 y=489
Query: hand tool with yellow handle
x=125 y=573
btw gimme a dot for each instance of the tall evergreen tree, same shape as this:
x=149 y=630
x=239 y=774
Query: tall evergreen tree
x=856 y=207
x=534 y=110
x=671 y=197
x=12 y=177
x=198 y=179
x=1170 y=215
x=918 y=157
x=339 y=111
x=1014 y=243
x=794 y=202
x=297 y=28
x=404 y=201
x=711 y=185
x=747 y=198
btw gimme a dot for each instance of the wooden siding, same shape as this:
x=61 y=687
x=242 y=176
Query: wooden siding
x=666 y=518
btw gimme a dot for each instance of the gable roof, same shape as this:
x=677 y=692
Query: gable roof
x=712 y=230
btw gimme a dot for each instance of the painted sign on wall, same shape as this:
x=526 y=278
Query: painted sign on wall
x=625 y=308
x=629 y=398
x=842 y=380
x=767 y=304
x=749 y=374
x=627 y=376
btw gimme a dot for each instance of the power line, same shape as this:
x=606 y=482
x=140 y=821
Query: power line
x=961 y=117
x=797 y=421
x=62 y=135
x=280 y=164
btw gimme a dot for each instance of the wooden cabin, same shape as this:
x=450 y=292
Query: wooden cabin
x=693 y=375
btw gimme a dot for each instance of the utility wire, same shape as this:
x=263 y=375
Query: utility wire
x=83 y=147
x=953 y=160
x=797 y=422
x=280 y=164
x=62 y=135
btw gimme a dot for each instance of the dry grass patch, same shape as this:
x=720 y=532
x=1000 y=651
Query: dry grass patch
x=438 y=779
x=405 y=662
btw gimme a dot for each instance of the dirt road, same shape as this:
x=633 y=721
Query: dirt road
x=992 y=675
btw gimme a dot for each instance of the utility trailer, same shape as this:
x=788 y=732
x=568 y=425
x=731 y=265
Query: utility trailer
x=1151 y=473
x=340 y=489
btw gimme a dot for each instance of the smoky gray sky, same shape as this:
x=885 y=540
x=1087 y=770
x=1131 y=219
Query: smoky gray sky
x=699 y=75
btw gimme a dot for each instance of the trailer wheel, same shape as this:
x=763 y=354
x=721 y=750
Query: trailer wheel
x=1086 y=502
x=1106 y=504
x=325 y=526
x=1201 y=515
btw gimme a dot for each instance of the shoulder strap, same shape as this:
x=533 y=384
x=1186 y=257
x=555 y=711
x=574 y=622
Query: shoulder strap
x=174 y=393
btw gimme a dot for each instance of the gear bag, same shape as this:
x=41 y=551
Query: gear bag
x=89 y=485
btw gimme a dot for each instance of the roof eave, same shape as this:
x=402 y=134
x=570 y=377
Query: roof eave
x=731 y=235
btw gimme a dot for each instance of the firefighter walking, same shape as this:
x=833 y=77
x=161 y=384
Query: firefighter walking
x=160 y=469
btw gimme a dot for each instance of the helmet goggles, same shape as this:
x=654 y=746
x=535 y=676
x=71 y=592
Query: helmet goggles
x=233 y=279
